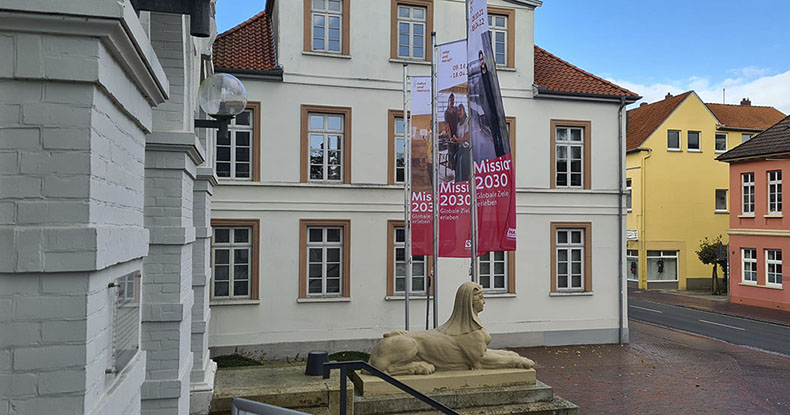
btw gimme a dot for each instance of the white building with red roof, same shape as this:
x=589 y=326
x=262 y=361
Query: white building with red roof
x=278 y=228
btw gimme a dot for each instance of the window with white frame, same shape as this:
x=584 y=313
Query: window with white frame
x=234 y=153
x=747 y=184
x=673 y=140
x=492 y=271
x=693 y=141
x=327 y=27
x=773 y=266
x=628 y=194
x=749 y=265
x=497 y=24
x=775 y=191
x=411 y=31
x=721 y=142
x=400 y=150
x=324 y=261
x=418 y=265
x=721 y=200
x=232 y=259
x=325 y=132
x=632 y=258
x=662 y=265
x=570 y=259
x=746 y=137
x=570 y=156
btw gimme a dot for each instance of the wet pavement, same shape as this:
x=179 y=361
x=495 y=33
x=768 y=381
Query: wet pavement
x=664 y=371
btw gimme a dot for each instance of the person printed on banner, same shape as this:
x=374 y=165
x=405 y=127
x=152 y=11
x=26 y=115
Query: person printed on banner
x=462 y=154
x=491 y=114
x=451 y=119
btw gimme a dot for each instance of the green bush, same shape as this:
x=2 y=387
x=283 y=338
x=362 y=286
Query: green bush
x=350 y=355
x=235 y=360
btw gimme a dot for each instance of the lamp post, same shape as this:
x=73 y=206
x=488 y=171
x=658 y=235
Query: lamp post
x=222 y=96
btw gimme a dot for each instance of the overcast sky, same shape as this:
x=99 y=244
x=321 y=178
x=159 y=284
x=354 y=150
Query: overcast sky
x=653 y=47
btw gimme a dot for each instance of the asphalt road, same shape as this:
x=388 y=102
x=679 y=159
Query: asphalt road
x=735 y=330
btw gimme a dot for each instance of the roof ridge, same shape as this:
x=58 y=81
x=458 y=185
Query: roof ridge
x=643 y=107
x=242 y=24
x=741 y=106
x=576 y=68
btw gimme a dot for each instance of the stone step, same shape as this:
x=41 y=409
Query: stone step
x=556 y=406
x=456 y=399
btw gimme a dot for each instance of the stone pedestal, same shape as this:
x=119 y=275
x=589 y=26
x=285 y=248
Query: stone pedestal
x=369 y=385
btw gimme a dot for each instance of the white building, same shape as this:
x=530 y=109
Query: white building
x=104 y=209
x=305 y=255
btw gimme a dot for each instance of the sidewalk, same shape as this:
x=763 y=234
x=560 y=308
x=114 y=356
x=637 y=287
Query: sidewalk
x=715 y=303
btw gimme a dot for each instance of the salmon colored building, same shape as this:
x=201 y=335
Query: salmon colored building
x=759 y=232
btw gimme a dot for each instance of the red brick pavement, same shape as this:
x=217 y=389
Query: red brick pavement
x=664 y=371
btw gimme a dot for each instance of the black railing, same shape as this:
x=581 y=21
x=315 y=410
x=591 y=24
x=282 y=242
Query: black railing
x=358 y=364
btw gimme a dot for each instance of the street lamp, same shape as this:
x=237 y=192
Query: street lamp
x=222 y=96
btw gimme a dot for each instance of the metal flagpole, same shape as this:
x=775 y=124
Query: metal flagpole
x=435 y=196
x=472 y=181
x=406 y=191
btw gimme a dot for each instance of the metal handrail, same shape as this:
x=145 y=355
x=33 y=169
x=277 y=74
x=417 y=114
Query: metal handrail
x=359 y=364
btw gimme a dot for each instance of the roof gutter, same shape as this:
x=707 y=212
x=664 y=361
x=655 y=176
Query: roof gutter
x=729 y=128
x=275 y=74
x=636 y=149
x=543 y=92
x=736 y=159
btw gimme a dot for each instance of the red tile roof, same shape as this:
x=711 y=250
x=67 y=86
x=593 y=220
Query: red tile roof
x=773 y=142
x=643 y=120
x=248 y=46
x=746 y=116
x=555 y=75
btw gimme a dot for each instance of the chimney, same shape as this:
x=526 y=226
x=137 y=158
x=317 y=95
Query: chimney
x=746 y=102
x=642 y=104
x=669 y=95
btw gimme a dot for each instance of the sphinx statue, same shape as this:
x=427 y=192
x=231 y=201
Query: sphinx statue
x=459 y=344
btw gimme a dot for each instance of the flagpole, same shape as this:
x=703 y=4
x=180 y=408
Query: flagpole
x=472 y=182
x=406 y=192
x=435 y=165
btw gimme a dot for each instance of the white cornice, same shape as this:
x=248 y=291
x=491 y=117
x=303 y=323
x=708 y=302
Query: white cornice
x=123 y=36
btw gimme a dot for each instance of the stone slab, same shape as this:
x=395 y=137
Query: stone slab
x=287 y=387
x=459 y=399
x=368 y=385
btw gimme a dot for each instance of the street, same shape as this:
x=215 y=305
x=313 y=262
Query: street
x=744 y=332
x=664 y=371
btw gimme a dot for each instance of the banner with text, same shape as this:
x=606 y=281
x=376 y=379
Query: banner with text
x=421 y=166
x=452 y=110
x=496 y=197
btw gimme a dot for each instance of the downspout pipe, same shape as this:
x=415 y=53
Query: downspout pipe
x=620 y=221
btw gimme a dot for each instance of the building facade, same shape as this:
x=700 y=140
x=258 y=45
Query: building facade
x=308 y=214
x=104 y=210
x=758 y=231
x=678 y=191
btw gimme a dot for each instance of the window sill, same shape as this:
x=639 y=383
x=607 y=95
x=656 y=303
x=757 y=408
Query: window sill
x=326 y=54
x=570 y=294
x=721 y=212
x=773 y=216
x=769 y=286
x=498 y=295
x=247 y=301
x=324 y=300
x=403 y=298
x=674 y=150
x=505 y=69
x=410 y=61
x=720 y=151
x=694 y=151
x=746 y=216
x=663 y=280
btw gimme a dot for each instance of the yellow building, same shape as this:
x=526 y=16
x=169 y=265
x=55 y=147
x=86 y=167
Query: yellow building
x=678 y=192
